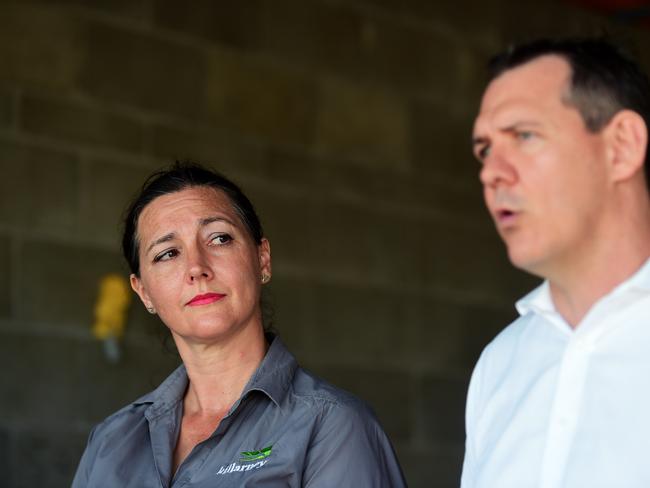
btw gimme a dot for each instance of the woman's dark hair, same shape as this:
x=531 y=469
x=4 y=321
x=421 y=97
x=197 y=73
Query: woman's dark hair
x=604 y=79
x=180 y=176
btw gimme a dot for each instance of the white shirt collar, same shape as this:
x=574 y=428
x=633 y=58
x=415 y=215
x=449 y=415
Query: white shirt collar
x=539 y=300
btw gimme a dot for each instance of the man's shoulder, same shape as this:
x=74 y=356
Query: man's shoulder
x=502 y=347
x=509 y=336
x=496 y=361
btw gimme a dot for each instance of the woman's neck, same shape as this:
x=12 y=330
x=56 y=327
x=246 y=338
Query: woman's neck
x=219 y=372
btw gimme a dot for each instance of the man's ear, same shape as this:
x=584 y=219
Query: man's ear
x=627 y=139
x=138 y=287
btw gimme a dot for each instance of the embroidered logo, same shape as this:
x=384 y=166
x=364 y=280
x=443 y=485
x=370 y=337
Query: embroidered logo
x=249 y=460
x=248 y=456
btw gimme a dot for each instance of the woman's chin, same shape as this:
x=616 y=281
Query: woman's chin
x=207 y=332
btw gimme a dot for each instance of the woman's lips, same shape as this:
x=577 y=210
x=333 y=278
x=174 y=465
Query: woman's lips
x=205 y=299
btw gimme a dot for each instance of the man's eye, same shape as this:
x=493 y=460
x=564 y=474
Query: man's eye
x=220 y=239
x=166 y=255
x=483 y=152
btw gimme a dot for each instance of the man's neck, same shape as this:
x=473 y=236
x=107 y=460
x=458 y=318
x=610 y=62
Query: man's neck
x=617 y=248
x=574 y=295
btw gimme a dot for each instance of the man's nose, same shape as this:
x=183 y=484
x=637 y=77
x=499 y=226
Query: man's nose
x=497 y=169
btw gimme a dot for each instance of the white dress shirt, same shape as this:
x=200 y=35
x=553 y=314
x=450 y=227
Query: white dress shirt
x=550 y=406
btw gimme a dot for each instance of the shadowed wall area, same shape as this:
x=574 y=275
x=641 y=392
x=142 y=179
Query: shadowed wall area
x=348 y=124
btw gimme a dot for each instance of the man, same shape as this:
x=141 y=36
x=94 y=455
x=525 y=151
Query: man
x=561 y=398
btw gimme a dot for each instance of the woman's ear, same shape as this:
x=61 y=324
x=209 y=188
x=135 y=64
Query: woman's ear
x=138 y=287
x=264 y=252
x=627 y=139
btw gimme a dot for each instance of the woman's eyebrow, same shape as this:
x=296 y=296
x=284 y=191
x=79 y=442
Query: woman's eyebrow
x=202 y=223
x=160 y=240
x=209 y=220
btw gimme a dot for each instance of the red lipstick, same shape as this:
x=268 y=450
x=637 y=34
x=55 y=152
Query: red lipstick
x=205 y=299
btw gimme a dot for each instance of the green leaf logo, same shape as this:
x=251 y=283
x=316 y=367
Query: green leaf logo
x=248 y=456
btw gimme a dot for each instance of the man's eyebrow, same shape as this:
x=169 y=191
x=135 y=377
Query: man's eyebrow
x=160 y=240
x=518 y=124
x=478 y=140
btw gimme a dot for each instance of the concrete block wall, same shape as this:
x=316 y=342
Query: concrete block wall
x=347 y=122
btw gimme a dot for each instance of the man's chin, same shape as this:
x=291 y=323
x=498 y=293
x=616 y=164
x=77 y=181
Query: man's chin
x=525 y=260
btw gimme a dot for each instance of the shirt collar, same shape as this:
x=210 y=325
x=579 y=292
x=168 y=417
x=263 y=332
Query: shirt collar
x=168 y=393
x=539 y=300
x=640 y=281
x=272 y=377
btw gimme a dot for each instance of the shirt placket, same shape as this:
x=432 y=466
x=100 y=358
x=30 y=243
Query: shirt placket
x=199 y=455
x=565 y=410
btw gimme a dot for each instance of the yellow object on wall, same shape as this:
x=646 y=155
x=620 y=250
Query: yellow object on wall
x=111 y=311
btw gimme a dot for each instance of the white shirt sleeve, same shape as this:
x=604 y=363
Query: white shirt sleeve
x=468 y=477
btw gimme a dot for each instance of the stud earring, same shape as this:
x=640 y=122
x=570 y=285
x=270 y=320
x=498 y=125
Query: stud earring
x=151 y=310
x=265 y=278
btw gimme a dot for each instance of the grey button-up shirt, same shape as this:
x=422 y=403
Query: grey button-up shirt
x=288 y=429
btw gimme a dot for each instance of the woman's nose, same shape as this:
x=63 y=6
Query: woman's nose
x=199 y=268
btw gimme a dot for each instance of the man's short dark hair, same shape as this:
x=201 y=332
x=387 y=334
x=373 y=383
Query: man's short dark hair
x=604 y=79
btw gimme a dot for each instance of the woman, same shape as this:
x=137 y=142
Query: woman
x=239 y=411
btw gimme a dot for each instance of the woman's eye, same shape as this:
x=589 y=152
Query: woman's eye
x=525 y=135
x=220 y=239
x=166 y=255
